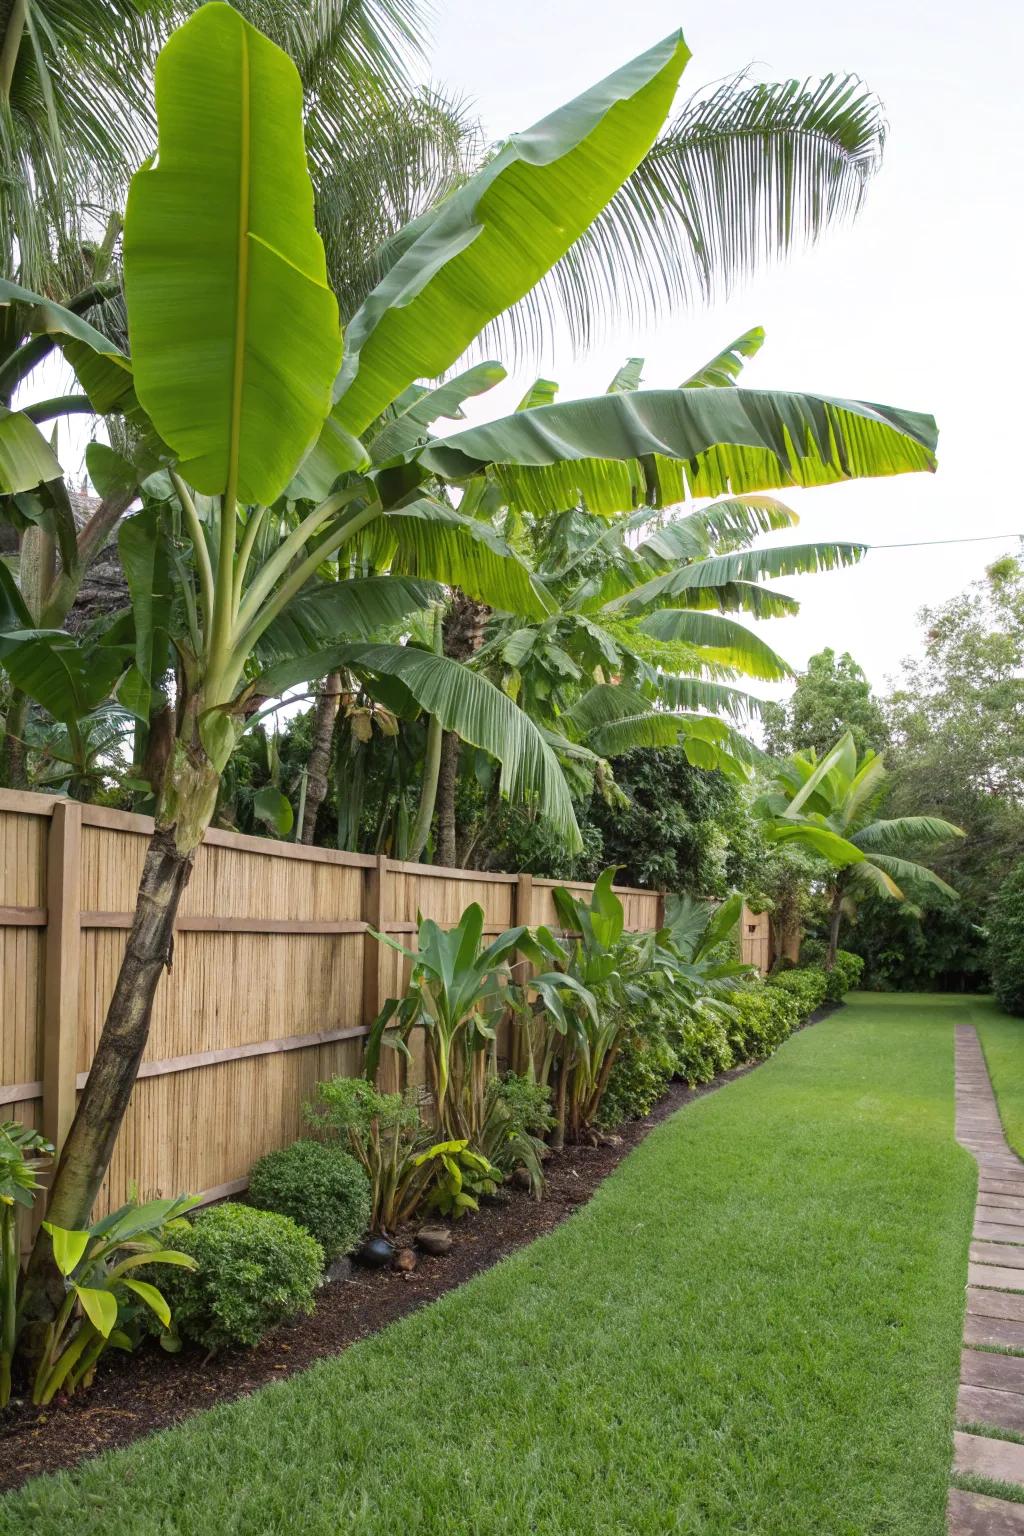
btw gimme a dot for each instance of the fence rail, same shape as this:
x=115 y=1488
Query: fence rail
x=275 y=980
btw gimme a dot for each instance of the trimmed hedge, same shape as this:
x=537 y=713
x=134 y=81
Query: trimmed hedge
x=256 y=1269
x=765 y=1017
x=808 y=987
x=320 y=1186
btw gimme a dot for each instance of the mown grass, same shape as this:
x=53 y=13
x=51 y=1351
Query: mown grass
x=752 y=1330
x=1002 y=1040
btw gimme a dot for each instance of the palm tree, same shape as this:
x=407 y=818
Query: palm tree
x=829 y=806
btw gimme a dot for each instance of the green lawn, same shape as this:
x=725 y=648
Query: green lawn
x=753 y=1328
x=1002 y=1040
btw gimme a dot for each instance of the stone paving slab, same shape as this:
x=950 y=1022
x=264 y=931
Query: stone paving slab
x=982 y=1368
x=1008 y=1255
x=975 y=1514
x=983 y=1303
x=977 y=1455
x=996 y=1332
x=998 y=1231
x=998 y=1276
x=991 y=1407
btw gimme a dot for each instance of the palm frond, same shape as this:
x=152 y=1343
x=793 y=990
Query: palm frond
x=907 y=873
x=903 y=833
x=743 y=175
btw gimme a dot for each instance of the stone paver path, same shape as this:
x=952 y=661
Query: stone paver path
x=991 y=1397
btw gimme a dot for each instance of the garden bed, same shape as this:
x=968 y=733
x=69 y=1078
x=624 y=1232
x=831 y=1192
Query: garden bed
x=137 y=1394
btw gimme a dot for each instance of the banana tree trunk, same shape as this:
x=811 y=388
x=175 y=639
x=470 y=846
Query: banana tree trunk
x=448 y=774
x=326 y=713
x=13 y=770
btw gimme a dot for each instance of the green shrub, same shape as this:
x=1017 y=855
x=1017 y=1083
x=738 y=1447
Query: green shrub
x=807 y=985
x=845 y=975
x=321 y=1187
x=765 y=1016
x=256 y=1268
x=643 y=1069
x=702 y=1048
x=1006 y=942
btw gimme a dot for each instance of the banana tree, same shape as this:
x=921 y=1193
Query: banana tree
x=260 y=432
x=829 y=806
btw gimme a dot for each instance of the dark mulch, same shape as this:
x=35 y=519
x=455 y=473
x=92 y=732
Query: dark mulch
x=150 y=1390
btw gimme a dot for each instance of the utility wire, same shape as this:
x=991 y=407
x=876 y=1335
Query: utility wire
x=981 y=538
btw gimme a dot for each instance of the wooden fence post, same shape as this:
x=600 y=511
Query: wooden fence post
x=377 y=894
x=63 y=961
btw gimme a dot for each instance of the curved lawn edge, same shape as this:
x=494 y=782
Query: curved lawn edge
x=754 y=1326
x=1002 y=1042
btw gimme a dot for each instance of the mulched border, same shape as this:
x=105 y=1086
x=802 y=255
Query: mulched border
x=135 y=1395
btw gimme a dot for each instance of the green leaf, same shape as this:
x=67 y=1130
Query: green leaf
x=46 y=317
x=726 y=366
x=153 y=1298
x=67 y=679
x=68 y=1246
x=144 y=558
x=110 y=473
x=721 y=572
x=14 y=612
x=720 y=640
x=720 y=926
x=482 y=715
x=335 y=452
x=26 y=458
x=409 y=426
x=627 y=379
x=100 y=1307
x=274 y=809
x=819 y=839
x=326 y=611
x=660 y=447
x=540 y=392
x=487 y=244
x=234 y=331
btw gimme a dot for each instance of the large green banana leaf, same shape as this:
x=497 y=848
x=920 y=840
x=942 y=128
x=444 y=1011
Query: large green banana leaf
x=490 y=242
x=325 y=612
x=46 y=316
x=26 y=458
x=722 y=370
x=234 y=332
x=720 y=640
x=741 y=568
x=464 y=702
x=660 y=447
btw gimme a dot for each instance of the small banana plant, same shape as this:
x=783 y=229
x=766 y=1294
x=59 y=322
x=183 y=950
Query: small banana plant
x=462 y=1176
x=104 y=1297
x=19 y=1184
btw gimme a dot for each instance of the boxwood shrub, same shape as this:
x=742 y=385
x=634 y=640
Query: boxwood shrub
x=256 y=1269
x=765 y=1017
x=808 y=986
x=322 y=1187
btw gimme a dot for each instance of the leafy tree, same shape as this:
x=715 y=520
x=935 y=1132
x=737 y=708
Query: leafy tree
x=831 y=697
x=829 y=806
x=1006 y=942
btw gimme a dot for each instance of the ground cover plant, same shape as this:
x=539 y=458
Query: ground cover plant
x=782 y=1258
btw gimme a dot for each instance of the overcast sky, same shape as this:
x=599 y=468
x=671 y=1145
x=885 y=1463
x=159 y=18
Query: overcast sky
x=918 y=305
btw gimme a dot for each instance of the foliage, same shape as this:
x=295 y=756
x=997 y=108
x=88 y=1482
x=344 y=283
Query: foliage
x=460 y=1177
x=457 y=994
x=829 y=806
x=831 y=697
x=846 y=973
x=702 y=1047
x=253 y=1269
x=385 y=1133
x=808 y=986
x=23 y=1153
x=643 y=1069
x=517 y=1116
x=321 y=1187
x=102 y=1272
x=1006 y=942
x=764 y=1017
x=936 y=946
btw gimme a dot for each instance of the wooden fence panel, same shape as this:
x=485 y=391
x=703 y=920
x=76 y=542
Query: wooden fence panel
x=273 y=985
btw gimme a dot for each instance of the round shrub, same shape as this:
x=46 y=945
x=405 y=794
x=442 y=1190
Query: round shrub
x=642 y=1070
x=321 y=1187
x=1006 y=942
x=845 y=975
x=256 y=1268
x=765 y=1016
x=702 y=1048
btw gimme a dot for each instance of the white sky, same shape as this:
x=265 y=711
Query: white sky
x=918 y=305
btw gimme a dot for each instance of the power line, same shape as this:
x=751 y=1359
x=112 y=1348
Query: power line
x=981 y=538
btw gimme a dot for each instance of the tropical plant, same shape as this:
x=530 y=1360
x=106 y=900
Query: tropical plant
x=240 y=409
x=318 y=1185
x=517 y=1115
x=23 y=1152
x=105 y=1294
x=459 y=1177
x=457 y=994
x=250 y=1271
x=831 y=697
x=385 y=1133
x=829 y=806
